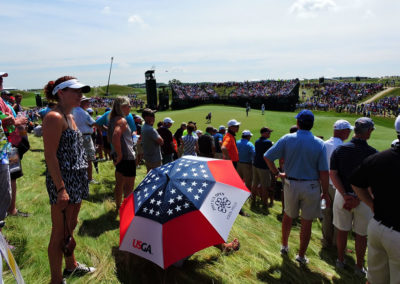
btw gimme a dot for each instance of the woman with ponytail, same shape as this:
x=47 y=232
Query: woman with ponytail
x=66 y=174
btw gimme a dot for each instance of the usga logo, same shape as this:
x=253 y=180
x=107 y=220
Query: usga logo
x=142 y=246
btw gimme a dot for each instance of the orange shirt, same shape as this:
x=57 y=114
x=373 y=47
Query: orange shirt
x=229 y=142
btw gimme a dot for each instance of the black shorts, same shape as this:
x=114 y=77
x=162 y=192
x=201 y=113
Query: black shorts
x=106 y=145
x=127 y=168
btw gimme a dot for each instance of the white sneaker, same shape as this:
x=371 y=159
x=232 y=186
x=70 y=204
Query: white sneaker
x=284 y=250
x=302 y=260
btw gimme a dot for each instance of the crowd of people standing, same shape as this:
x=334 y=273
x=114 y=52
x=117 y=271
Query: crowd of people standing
x=352 y=178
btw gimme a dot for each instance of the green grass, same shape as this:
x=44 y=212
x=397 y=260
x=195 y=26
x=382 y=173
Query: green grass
x=393 y=93
x=97 y=234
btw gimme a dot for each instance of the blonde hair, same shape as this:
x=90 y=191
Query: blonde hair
x=117 y=104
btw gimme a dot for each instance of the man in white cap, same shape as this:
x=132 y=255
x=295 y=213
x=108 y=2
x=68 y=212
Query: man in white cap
x=85 y=124
x=380 y=172
x=168 y=148
x=341 y=131
x=246 y=156
x=348 y=212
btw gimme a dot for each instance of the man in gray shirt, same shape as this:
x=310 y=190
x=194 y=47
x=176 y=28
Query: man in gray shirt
x=151 y=141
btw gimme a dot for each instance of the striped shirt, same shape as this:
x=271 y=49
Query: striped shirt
x=347 y=158
x=189 y=143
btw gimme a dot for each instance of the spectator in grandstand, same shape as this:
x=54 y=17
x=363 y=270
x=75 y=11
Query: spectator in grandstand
x=379 y=172
x=306 y=170
x=206 y=143
x=348 y=212
x=66 y=172
x=246 y=152
x=123 y=153
x=151 y=141
x=189 y=142
x=85 y=124
x=341 y=131
x=261 y=175
x=167 y=149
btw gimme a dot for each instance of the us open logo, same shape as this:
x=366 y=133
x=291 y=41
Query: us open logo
x=141 y=246
x=221 y=203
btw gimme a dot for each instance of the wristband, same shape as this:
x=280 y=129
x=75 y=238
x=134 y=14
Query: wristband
x=61 y=188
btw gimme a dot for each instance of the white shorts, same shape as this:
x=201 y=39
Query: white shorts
x=304 y=196
x=356 y=219
x=383 y=254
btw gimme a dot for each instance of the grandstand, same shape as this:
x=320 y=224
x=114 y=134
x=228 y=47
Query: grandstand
x=275 y=95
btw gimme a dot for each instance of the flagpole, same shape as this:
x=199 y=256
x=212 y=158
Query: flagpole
x=109 y=75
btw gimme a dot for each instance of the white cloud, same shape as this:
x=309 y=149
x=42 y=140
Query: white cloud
x=369 y=14
x=311 y=8
x=136 y=19
x=106 y=10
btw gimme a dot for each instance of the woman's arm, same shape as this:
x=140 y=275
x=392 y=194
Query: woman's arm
x=120 y=127
x=53 y=125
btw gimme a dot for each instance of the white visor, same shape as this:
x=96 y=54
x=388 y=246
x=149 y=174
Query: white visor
x=73 y=84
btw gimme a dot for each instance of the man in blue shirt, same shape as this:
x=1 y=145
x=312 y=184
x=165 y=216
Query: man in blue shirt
x=306 y=170
x=246 y=155
x=261 y=173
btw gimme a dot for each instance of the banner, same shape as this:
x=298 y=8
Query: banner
x=9 y=258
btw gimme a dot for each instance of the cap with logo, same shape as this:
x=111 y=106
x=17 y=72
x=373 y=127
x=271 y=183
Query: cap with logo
x=233 y=122
x=168 y=120
x=247 y=133
x=305 y=115
x=364 y=123
x=342 y=124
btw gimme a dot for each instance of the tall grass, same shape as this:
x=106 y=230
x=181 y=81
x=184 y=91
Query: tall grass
x=97 y=234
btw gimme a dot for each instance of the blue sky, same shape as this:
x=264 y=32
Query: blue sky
x=196 y=41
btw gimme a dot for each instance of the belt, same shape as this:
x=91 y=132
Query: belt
x=388 y=224
x=248 y=163
x=299 y=179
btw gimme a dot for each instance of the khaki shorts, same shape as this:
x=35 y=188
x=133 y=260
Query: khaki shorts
x=304 y=196
x=153 y=165
x=245 y=171
x=356 y=219
x=383 y=254
x=261 y=176
x=89 y=147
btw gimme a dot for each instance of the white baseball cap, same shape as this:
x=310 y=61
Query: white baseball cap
x=90 y=110
x=168 y=120
x=247 y=133
x=233 y=122
x=72 y=84
x=342 y=124
x=397 y=124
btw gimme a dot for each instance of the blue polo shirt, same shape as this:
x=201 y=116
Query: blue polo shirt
x=103 y=120
x=246 y=151
x=303 y=153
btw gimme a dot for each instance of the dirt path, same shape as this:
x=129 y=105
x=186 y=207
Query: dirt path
x=378 y=95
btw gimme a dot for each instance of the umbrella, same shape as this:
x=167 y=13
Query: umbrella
x=180 y=208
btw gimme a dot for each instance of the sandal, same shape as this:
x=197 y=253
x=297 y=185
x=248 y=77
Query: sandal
x=79 y=270
x=19 y=214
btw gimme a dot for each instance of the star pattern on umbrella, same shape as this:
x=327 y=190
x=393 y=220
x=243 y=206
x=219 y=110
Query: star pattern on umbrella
x=173 y=189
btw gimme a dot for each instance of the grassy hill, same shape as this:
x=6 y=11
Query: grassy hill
x=97 y=234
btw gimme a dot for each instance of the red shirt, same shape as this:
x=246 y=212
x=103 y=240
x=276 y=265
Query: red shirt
x=229 y=142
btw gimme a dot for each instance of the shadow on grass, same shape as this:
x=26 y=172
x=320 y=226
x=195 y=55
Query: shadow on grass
x=99 y=197
x=260 y=209
x=134 y=269
x=95 y=227
x=290 y=272
x=37 y=150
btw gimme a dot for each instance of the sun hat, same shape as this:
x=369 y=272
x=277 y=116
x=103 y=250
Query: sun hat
x=305 y=115
x=233 y=122
x=364 y=123
x=342 y=124
x=247 y=133
x=168 y=120
x=72 y=84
